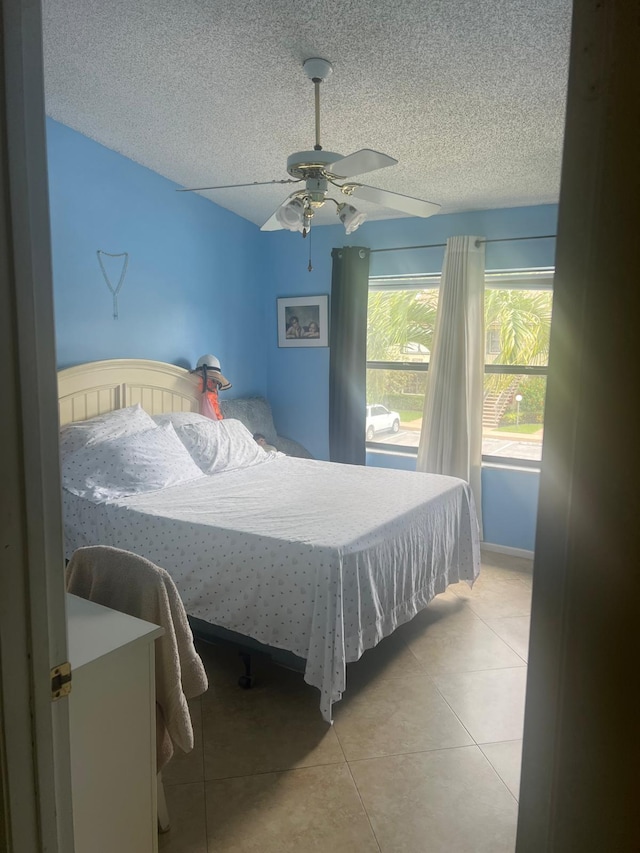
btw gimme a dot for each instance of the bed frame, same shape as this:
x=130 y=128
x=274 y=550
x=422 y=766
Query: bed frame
x=98 y=387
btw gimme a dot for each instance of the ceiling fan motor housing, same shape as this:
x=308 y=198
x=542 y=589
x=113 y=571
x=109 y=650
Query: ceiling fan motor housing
x=317 y=191
x=311 y=164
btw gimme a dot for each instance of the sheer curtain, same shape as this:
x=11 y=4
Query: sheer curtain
x=451 y=438
x=348 y=355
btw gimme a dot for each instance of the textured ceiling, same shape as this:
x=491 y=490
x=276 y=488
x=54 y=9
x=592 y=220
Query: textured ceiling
x=469 y=96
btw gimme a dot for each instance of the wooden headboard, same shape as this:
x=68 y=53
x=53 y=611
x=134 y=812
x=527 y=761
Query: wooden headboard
x=97 y=387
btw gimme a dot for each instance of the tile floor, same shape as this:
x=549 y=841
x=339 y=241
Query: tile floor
x=423 y=756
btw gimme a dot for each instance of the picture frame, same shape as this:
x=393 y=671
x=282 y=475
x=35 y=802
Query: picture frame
x=303 y=321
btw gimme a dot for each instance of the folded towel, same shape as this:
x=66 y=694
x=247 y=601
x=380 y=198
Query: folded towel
x=131 y=584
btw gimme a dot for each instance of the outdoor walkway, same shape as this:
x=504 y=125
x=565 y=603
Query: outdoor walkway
x=495 y=442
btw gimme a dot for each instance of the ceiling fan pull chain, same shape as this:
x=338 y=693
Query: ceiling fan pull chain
x=309 y=267
x=114 y=290
x=316 y=83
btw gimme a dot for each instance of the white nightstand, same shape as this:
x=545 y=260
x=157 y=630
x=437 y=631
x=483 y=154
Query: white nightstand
x=112 y=729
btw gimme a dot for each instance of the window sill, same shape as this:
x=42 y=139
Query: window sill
x=505 y=463
x=515 y=465
x=391 y=450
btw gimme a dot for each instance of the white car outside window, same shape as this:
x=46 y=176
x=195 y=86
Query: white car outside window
x=379 y=419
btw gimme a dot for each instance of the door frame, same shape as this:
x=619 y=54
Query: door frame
x=35 y=776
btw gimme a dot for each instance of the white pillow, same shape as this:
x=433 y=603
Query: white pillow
x=179 y=419
x=120 y=422
x=128 y=465
x=224 y=445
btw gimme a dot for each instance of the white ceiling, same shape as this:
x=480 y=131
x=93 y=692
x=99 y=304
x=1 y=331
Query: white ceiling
x=469 y=96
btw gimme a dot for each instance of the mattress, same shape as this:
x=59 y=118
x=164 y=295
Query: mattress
x=320 y=559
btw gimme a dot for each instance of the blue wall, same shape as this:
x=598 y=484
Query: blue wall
x=510 y=506
x=190 y=287
x=509 y=499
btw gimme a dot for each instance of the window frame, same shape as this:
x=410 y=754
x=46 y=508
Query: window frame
x=524 y=279
x=490 y=340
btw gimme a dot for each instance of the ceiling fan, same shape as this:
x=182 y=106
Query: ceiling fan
x=322 y=171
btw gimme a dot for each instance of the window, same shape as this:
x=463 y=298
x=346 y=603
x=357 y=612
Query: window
x=518 y=304
x=400 y=325
x=401 y=322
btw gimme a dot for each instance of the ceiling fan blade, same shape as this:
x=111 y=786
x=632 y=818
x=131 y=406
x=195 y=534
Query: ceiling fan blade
x=396 y=201
x=272 y=223
x=233 y=186
x=360 y=162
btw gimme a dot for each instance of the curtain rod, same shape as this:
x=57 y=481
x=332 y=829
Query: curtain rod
x=443 y=245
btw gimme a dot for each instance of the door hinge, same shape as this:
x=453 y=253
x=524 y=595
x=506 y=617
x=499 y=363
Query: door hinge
x=60 y=681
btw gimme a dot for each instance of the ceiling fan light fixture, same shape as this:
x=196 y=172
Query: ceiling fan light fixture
x=350 y=217
x=291 y=215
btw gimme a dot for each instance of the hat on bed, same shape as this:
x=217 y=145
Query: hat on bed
x=212 y=365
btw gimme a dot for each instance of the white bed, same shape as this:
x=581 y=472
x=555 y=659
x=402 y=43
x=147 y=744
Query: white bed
x=319 y=559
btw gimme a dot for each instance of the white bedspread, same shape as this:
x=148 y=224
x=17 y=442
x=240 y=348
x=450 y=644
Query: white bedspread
x=321 y=559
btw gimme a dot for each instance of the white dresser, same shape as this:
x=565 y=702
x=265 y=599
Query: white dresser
x=112 y=728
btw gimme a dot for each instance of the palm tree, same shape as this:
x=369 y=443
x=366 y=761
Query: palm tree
x=400 y=317
x=523 y=321
x=397 y=319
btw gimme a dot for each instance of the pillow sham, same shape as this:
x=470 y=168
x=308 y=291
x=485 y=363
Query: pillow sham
x=129 y=465
x=120 y=422
x=218 y=446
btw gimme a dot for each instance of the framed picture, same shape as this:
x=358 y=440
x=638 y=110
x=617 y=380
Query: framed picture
x=303 y=321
